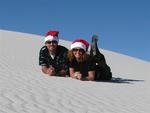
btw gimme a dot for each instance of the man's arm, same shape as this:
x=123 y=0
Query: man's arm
x=49 y=71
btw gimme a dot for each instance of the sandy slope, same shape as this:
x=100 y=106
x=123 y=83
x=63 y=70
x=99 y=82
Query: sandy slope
x=24 y=89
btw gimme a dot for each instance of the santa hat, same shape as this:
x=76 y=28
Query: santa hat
x=51 y=36
x=80 y=43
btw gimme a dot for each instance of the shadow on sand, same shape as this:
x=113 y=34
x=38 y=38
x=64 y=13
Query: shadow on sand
x=122 y=80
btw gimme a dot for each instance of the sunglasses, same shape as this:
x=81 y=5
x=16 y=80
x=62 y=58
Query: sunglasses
x=53 y=42
x=80 y=50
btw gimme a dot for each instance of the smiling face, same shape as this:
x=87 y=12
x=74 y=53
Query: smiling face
x=51 y=45
x=78 y=53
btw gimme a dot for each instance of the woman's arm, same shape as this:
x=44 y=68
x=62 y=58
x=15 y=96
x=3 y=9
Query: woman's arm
x=91 y=75
x=73 y=74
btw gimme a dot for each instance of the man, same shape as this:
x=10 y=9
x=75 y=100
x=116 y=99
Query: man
x=53 y=57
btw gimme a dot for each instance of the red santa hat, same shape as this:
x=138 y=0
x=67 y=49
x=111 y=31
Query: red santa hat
x=80 y=43
x=51 y=36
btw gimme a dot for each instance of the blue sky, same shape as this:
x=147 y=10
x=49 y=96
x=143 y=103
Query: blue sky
x=123 y=26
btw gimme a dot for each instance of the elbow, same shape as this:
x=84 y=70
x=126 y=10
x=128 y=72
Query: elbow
x=44 y=70
x=91 y=78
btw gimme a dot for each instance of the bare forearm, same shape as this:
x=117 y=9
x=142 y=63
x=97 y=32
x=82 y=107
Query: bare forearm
x=90 y=78
x=44 y=70
x=91 y=75
x=50 y=71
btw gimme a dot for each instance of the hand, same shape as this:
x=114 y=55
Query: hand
x=51 y=71
x=78 y=75
x=63 y=73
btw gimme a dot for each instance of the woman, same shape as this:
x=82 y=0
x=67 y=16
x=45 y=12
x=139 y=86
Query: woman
x=81 y=65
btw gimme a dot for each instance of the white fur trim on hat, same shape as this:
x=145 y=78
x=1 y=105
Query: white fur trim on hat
x=50 y=38
x=78 y=45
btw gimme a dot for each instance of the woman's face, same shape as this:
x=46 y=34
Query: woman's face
x=78 y=52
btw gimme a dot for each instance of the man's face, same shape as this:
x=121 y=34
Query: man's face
x=51 y=45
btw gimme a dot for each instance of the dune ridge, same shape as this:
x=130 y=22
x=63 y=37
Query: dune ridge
x=25 y=89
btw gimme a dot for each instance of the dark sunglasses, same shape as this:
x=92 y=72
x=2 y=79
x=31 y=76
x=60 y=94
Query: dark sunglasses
x=80 y=50
x=49 y=42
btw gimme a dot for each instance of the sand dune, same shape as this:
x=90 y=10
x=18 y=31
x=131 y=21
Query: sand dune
x=25 y=89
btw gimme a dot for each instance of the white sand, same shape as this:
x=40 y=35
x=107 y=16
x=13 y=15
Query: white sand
x=24 y=89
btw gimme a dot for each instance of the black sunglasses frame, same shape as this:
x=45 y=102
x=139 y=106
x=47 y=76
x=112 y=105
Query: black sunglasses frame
x=49 y=42
x=80 y=50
